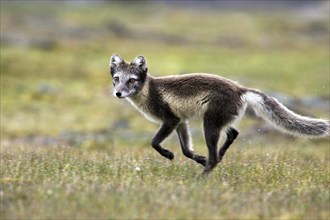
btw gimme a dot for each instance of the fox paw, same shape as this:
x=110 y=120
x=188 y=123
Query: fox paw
x=200 y=159
x=168 y=154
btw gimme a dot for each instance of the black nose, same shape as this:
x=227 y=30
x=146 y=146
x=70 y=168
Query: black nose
x=118 y=94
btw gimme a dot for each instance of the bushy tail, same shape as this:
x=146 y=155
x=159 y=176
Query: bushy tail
x=284 y=119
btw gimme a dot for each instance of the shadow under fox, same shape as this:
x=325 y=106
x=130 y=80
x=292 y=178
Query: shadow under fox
x=172 y=100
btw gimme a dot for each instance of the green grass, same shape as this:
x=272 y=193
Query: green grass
x=55 y=81
x=283 y=182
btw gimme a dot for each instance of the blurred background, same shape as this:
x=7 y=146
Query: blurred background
x=56 y=89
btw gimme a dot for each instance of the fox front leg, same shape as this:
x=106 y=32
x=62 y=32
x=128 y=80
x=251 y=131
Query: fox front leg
x=164 y=131
x=185 y=141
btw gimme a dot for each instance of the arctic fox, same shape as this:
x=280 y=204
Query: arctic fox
x=172 y=100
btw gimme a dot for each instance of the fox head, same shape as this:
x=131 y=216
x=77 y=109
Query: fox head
x=127 y=78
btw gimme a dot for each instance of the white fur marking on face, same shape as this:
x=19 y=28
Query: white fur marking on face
x=134 y=77
x=124 y=93
x=117 y=74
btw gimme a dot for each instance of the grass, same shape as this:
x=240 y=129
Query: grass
x=55 y=81
x=280 y=182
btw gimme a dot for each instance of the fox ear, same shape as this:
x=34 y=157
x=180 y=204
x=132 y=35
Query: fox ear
x=140 y=61
x=115 y=60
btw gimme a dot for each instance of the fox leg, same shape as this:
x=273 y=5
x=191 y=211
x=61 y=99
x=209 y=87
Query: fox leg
x=232 y=134
x=212 y=135
x=164 y=131
x=185 y=141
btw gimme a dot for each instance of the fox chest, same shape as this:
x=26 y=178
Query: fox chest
x=146 y=109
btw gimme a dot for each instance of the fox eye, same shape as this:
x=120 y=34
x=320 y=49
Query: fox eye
x=132 y=80
x=116 y=79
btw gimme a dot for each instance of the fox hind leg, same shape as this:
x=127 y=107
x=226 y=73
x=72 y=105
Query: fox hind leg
x=182 y=131
x=232 y=134
x=213 y=122
x=212 y=135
